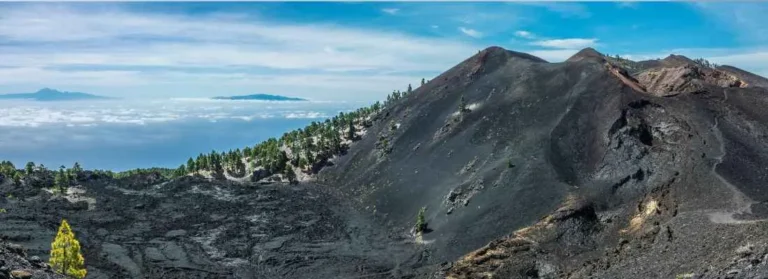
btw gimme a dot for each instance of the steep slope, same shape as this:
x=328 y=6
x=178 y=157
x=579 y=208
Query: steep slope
x=612 y=166
x=495 y=168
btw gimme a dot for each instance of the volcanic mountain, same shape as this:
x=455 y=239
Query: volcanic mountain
x=596 y=167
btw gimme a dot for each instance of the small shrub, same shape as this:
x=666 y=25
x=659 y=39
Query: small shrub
x=421 y=223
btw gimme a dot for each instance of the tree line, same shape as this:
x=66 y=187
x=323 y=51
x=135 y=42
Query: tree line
x=303 y=150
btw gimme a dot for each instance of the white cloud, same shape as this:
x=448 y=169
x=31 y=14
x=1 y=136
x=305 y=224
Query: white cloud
x=566 y=43
x=32 y=114
x=471 y=32
x=119 y=47
x=435 y=26
x=391 y=11
x=524 y=34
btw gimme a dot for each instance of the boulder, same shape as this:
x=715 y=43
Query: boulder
x=21 y=274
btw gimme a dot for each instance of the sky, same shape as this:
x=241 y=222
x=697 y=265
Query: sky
x=344 y=51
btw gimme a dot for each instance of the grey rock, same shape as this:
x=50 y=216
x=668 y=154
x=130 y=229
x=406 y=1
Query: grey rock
x=118 y=255
x=154 y=254
x=175 y=233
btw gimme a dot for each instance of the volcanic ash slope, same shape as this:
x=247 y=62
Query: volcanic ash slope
x=595 y=167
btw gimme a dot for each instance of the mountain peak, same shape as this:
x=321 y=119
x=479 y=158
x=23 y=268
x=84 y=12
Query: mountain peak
x=50 y=94
x=586 y=53
x=47 y=90
x=677 y=60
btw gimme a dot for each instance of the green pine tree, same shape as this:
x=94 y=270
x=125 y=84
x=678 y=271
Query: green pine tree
x=61 y=181
x=17 y=178
x=29 y=168
x=421 y=222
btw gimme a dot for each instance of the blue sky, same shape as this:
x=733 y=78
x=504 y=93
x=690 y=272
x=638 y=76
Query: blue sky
x=339 y=51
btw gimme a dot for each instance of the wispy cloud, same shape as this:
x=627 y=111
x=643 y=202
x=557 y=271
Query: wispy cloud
x=471 y=32
x=572 y=43
x=746 y=19
x=565 y=9
x=391 y=11
x=46 y=44
x=524 y=34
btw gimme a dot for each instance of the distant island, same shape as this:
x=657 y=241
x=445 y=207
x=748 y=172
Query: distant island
x=47 y=94
x=260 y=97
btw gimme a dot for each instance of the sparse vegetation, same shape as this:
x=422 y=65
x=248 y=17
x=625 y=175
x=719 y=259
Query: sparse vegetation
x=17 y=178
x=300 y=150
x=704 y=63
x=7 y=169
x=463 y=105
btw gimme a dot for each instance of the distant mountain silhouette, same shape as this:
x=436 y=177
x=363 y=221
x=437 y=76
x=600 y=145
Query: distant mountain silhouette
x=48 y=94
x=261 y=97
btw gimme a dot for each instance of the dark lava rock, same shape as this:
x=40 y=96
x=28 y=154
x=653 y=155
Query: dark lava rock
x=591 y=141
x=14 y=263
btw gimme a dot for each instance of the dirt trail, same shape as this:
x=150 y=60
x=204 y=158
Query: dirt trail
x=742 y=203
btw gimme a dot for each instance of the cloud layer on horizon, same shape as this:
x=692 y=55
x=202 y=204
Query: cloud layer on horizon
x=43 y=115
x=125 y=50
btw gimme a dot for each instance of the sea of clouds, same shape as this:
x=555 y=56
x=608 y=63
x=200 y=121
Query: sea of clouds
x=124 y=134
x=94 y=113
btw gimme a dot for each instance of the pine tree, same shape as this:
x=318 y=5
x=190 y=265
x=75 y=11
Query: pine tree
x=422 y=82
x=409 y=89
x=290 y=174
x=66 y=257
x=76 y=168
x=61 y=181
x=30 y=168
x=463 y=105
x=181 y=171
x=421 y=223
x=351 y=133
x=17 y=179
x=191 y=167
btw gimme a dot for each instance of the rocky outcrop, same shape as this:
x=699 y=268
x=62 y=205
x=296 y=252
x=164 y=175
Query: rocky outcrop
x=526 y=254
x=16 y=263
x=688 y=78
